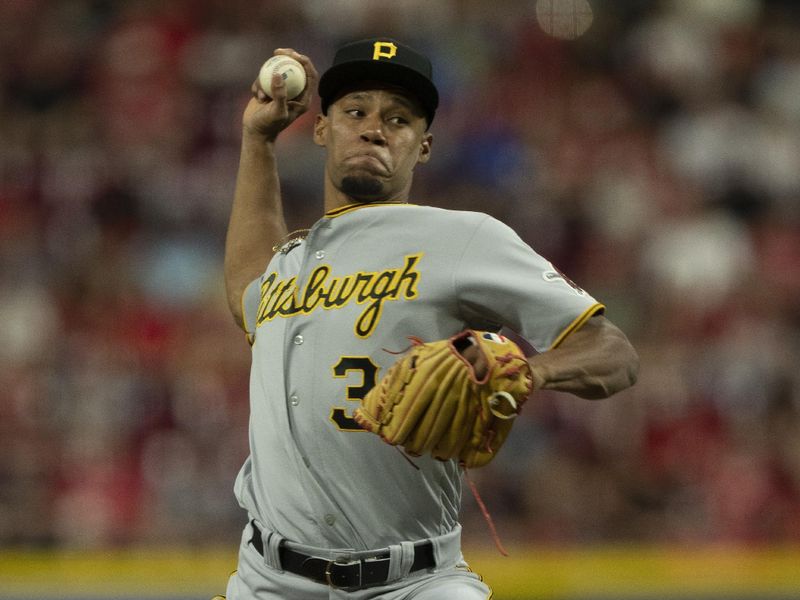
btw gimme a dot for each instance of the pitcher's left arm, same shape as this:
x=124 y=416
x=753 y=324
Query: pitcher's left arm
x=593 y=362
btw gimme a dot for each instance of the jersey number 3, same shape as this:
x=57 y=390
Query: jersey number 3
x=355 y=393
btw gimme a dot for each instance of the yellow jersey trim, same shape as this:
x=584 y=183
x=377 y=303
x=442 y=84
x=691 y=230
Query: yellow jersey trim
x=578 y=323
x=336 y=212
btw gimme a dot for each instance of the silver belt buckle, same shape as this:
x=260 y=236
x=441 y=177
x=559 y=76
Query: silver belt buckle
x=343 y=563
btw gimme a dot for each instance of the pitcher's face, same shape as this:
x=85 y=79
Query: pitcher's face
x=374 y=139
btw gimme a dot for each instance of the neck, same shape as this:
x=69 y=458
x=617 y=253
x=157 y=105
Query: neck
x=335 y=198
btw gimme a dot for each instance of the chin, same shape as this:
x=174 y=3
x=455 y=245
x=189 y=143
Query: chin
x=363 y=188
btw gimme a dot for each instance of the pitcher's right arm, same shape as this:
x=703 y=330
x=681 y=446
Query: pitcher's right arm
x=257 y=222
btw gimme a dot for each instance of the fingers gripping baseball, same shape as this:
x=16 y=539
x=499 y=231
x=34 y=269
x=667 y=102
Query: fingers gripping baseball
x=269 y=114
x=452 y=399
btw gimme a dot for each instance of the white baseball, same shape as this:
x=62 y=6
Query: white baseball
x=293 y=73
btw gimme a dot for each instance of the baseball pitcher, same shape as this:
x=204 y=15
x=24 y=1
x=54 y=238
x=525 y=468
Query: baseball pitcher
x=378 y=374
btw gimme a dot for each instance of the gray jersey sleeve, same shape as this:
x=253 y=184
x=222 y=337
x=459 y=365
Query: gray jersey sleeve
x=501 y=281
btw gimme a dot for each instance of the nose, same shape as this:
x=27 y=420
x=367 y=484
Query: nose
x=372 y=132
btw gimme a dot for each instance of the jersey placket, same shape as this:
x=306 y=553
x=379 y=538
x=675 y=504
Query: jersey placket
x=297 y=355
x=300 y=340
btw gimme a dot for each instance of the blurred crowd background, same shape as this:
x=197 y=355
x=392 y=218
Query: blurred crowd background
x=655 y=159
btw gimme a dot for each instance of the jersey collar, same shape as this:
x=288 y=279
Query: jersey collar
x=351 y=207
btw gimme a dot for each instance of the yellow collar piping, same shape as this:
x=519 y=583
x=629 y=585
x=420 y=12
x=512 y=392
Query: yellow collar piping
x=335 y=212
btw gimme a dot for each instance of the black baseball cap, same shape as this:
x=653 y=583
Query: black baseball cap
x=383 y=60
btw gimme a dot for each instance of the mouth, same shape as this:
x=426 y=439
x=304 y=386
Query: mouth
x=370 y=162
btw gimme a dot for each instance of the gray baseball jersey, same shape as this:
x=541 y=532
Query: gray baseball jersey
x=326 y=320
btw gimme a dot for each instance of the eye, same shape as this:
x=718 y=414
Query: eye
x=354 y=112
x=398 y=120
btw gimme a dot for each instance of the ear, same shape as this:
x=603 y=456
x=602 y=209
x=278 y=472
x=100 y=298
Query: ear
x=425 y=148
x=320 y=130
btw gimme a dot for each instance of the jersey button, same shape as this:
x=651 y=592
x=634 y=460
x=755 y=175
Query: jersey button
x=319 y=254
x=298 y=339
x=330 y=519
x=294 y=399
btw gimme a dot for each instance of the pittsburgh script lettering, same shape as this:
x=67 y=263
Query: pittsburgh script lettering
x=283 y=298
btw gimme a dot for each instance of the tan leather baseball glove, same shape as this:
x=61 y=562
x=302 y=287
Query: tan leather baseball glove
x=432 y=402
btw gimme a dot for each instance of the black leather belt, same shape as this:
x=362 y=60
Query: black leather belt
x=350 y=574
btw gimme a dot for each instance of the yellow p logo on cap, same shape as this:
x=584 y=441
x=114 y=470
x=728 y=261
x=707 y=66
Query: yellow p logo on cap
x=384 y=50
